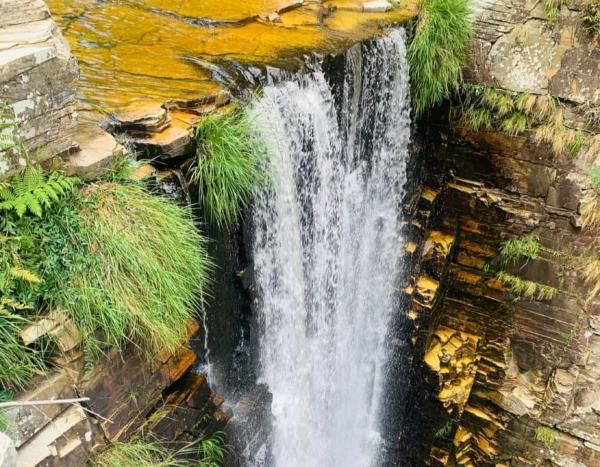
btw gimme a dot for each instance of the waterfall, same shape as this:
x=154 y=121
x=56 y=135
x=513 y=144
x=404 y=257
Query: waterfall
x=326 y=249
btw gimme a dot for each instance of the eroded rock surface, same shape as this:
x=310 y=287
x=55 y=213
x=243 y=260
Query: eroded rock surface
x=511 y=379
x=37 y=82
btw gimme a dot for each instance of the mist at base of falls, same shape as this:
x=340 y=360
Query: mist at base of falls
x=327 y=252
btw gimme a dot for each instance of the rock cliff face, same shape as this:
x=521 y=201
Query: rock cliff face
x=504 y=375
x=37 y=82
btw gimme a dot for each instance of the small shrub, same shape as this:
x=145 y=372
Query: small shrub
x=545 y=435
x=437 y=51
x=590 y=16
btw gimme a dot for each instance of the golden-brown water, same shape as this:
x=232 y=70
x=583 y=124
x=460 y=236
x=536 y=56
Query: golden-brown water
x=140 y=49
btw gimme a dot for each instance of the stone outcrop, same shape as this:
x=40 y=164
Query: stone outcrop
x=505 y=378
x=37 y=83
x=125 y=392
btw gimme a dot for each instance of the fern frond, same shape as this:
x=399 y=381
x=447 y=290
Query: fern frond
x=32 y=191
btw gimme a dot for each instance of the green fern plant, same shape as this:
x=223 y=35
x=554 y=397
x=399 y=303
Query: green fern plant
x=32 y=191
x=17 y=363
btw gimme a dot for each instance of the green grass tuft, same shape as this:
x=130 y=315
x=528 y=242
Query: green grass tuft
x=590 y=16
x=527 y=246
x=594 y=176
x=209 y=452
x=437 y=51
x=444 y=431
x=527 y=289
x=230 y=166
x=545 y=435
x=553 y=8
x=124 y=264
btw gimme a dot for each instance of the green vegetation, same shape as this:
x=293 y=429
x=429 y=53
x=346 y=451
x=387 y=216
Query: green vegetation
x=32 y=191
x=5 y=423
x=545 y=435
x=444 y=431
x=590 y=17
x=124 y=264
x=9 y=133
x=437 y=51
x=230 y=169
x=527 y=246
x=590 y=208
x=591 y=275
x=487 y=108
x=553 y=7
x=527 y=289
x=209 y=452
x=594 y=176
x=29 y=190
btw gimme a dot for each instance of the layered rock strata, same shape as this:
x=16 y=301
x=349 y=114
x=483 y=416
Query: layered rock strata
x=509 y=375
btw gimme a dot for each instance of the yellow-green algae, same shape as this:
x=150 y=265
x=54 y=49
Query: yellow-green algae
x=129 y=50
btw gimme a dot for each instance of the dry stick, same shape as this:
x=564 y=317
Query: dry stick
x=4 y=405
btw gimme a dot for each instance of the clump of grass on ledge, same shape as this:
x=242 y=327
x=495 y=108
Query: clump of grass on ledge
x=229 y=168
x=527 y=289
x=526 y=246
x=591 y=276
x=545 y=435
x=590 y=207
x=488 y=108
x=125 y=265
x=144 y=266
x=590 y=16
x=552 y=8
x=208 y=452
x=437 y=51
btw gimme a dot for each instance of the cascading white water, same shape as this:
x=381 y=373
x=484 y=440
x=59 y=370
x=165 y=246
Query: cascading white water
x=326 y=252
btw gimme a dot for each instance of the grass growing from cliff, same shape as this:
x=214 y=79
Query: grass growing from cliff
x=437 y=51
x=527 y=289
x=590 y=18
x=527 y=246
x=229 y=167
x=553 y=8
x=208 y=452
x=486 y=108
x=545 y=435
x=123 y=264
